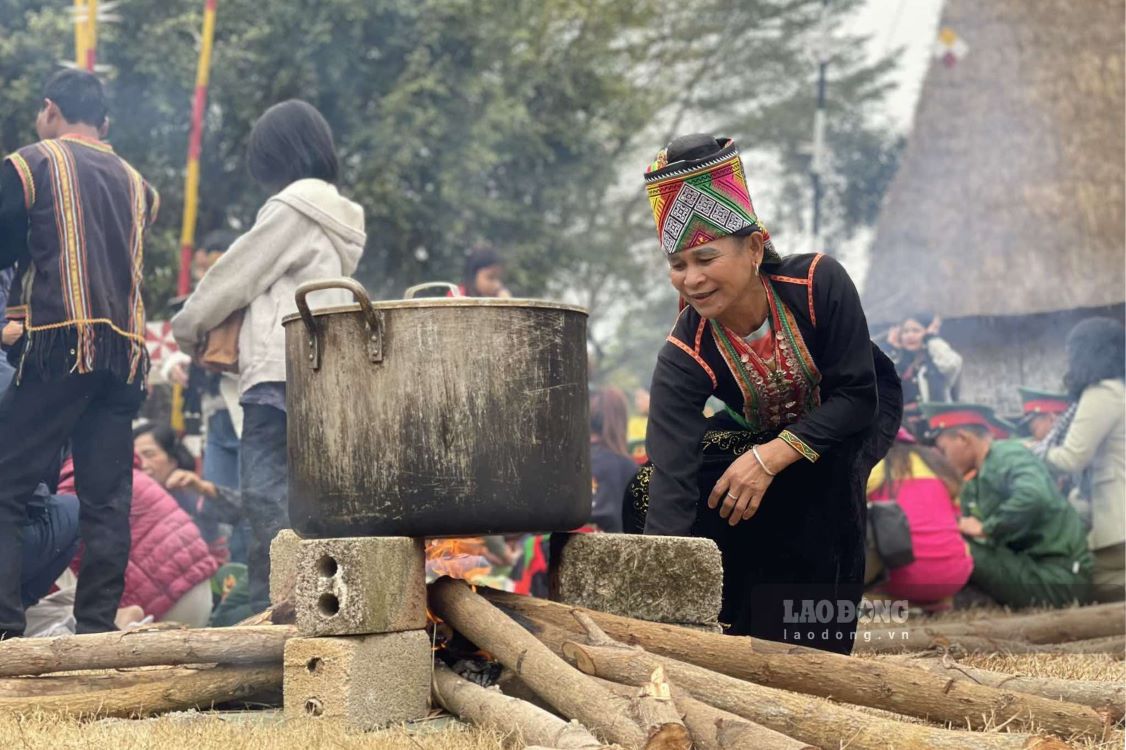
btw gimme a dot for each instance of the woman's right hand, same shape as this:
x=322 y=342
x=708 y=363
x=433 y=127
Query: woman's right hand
x=184 y=479
x=893 y=337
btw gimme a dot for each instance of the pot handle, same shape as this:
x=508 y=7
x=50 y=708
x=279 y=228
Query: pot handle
x=373 y=320
x=412 y=291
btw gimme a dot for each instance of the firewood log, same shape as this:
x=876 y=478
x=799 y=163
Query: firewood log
x=139 y=648
x=864 y=682
x=570 y=692
x=1106 y=697
x=713 y=729
x=1057 y=626
x=196 y=688
x=922 y=641
x=807 y=719
x=492 y=708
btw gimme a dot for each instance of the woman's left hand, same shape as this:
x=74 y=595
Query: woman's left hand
x=739 y=491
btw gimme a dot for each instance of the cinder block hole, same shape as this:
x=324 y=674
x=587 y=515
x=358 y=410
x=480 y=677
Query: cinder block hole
x=328 y=605
x=327 y=566
x=314 y=707
x=314 y=665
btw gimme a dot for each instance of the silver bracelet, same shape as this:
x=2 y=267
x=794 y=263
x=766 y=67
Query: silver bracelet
x=769 y=473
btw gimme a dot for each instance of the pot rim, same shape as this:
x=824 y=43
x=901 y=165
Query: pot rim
x=434 y=302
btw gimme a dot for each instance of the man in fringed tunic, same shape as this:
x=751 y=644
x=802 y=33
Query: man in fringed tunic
x=72 y=219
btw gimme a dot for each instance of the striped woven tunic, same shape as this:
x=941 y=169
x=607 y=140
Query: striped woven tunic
x=84 y=212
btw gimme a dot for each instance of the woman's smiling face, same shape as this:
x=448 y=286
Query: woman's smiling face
x=714 y=276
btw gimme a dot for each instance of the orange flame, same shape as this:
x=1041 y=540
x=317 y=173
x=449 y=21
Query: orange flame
x=458 y=558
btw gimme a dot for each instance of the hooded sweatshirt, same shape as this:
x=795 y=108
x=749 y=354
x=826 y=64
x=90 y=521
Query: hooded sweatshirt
x=307 y=231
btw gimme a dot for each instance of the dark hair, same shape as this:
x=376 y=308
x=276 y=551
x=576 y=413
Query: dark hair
x=169 y=443
x=481 y=255
x=79 y=97
x=609 y=415
x=898 y=465
x=700 y=146
x=291 y=141
x=1096 y=350
x=922 y=317
x=218 y=240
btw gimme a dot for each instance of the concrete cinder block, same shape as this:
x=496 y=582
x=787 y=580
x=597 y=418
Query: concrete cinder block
x=366 y=681
x=360 y=585
x=283 y=565
x=668 y=579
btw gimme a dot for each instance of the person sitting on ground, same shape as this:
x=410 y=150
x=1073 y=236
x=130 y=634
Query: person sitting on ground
x=1028 y=544
x=50 y=539
x=1089 y=441
x=169 y=570
x=926 y=487
x=611 y=468
x=166 y=460
x=928 y=366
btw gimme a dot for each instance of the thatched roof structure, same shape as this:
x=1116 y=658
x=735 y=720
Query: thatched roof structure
x=1009 y=198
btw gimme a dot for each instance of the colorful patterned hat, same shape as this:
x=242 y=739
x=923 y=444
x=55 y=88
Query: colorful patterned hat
x=697 y=201
x=946 y=416
x=1042 y=402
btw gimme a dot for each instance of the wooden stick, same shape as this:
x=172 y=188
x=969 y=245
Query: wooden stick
x=808 y=719
x=1057 y=626
x=864 y=682
x=713 y=729
x=492 y=708
x=917 y=642
x=81 y=682
x=197 y=688
x=141 y=648
x=1105 y=697
x=572 y=693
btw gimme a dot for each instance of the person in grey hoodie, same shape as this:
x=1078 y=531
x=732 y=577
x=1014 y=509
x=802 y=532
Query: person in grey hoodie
x=305 y=231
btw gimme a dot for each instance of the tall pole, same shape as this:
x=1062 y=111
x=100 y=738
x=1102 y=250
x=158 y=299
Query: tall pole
x=817 y=164
x=195 y=140
x=91 y=35
x=80 y=28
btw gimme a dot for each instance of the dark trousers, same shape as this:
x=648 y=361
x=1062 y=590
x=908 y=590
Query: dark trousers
x=50 y=540
x=94 y=412
x=263 y=466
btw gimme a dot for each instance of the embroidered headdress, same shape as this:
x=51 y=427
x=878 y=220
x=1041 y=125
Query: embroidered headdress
x=699 y=200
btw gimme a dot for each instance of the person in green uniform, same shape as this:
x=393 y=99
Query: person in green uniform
x=1028 y=544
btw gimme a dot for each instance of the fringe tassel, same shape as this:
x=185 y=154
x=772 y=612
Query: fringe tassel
x=55 y=353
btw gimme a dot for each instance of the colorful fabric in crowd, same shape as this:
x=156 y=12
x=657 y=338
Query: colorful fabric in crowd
x=697 y=201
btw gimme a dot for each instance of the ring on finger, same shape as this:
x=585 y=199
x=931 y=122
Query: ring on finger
x=733 y=497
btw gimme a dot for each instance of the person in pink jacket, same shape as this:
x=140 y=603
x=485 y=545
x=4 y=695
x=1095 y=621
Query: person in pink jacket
x=170 y=567
x=926 y=487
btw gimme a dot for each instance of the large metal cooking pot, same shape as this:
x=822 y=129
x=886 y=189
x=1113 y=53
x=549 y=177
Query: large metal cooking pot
x=436 y=417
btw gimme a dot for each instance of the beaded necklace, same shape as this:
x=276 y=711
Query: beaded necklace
x=780 y=386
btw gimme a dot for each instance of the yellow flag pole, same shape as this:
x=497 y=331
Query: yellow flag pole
x=80 y=28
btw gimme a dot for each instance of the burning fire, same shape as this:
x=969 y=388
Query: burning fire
x=466 y=559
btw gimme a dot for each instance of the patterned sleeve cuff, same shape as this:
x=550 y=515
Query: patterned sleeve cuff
x=800 y=446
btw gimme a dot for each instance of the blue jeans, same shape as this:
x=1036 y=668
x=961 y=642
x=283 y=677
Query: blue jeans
x=50 y=540
x=221 y=466
x=265 y=497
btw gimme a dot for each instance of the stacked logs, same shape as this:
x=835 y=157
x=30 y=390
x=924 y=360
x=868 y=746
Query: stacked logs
x=578 y=678
x=636 y=684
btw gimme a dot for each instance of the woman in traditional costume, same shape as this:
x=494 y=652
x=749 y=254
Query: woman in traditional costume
x=778 y=478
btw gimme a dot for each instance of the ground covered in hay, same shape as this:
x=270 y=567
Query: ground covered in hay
x=267 y=730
